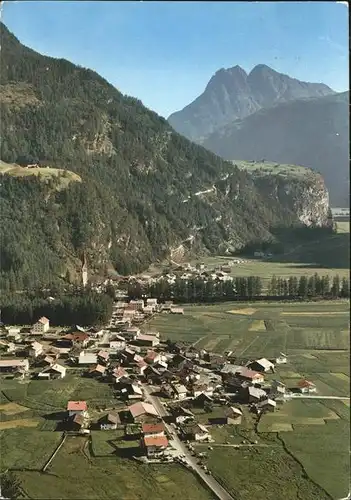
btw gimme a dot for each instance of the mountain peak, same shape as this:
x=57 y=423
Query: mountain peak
x=261 y=67
x=230 y=78
x=233 y=94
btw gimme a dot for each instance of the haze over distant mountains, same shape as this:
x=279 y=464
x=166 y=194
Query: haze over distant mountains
x=268 y=115
x=233 y=94
x=313 y=133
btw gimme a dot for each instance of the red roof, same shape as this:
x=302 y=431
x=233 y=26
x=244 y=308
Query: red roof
x=305 y=383
x=153 y=428
x=77 y=406
x=159 y=441
x=119 y=372
x=77 y=337
x=247 y=373
x=43 y=320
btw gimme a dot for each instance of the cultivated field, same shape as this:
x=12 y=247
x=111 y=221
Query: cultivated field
x=315 y=337
x=261 y=329
x=29 y=415
x=75 y=474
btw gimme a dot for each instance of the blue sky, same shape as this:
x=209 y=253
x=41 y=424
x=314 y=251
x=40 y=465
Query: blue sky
x=164 y=53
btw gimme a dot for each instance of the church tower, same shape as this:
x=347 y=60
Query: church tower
x=84 y=271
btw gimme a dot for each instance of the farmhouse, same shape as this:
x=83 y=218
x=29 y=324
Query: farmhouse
x=154 y=446
x=12 y=365
x=132 y=391
x=14 y=334
x=41 y=326
x=54 y=371
x=136 y=305
x=157 y=429
x=195 y=432
x=8 y=346
x=198 y=389
x=110 y=421
x=131 y=333
x=76 y=423
x=140 y=367
x=151 y=303
x=250 y=375
x=117 y=344
x=77 y=408
x=118 y=373
x=182 y=414
x=97 y=371
x=180 y=391
x=155 y=376
x=103 y=356
x=148 y=310
x=87 y=358
x=143 y=412
x=76 y=339
x=147 y=340
x=266 y=405
x=13 y=331
x=252 y=394
x=278 y=388
x=95 y=332
x=281 y=359
x=152 y=357
x=177 y=310
x=168 y=391
x=231 y=416
x=201 y=400
x=261 y=365
x=307 y=387
x=36 y=349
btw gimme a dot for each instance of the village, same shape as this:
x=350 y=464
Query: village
x=163 y=386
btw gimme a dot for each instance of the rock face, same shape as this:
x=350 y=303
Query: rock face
x=313 y=133
x=233 y=94
x=307 y=196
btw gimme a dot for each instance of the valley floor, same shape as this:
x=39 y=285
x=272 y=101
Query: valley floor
x=302 y=448
x=306 y=440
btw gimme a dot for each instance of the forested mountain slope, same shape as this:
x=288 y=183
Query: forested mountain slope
x=141 y=194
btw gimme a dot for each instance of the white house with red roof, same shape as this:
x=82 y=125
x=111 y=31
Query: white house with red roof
x=154 y=446
x=77 y=408
x=306 y=386
x=41 y=326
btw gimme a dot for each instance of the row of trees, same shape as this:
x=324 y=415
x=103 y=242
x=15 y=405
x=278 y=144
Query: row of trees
x=241 y=288
x=84 y=308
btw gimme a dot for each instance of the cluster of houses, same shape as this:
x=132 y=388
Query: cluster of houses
x=189 y=381
x=184 y=272
x=137 y=311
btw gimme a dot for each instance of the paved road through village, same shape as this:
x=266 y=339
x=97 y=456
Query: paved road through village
x=176 y=443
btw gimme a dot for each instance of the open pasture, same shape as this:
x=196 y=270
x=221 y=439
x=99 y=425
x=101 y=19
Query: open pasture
x=26 y=448
x=296 y=412
x=324 y=454
x=264 y=472
x=76 y=474
x=47 y=396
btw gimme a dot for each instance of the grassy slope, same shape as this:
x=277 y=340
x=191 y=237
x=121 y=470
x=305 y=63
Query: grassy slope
x=271 y=168
x=44 y=174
